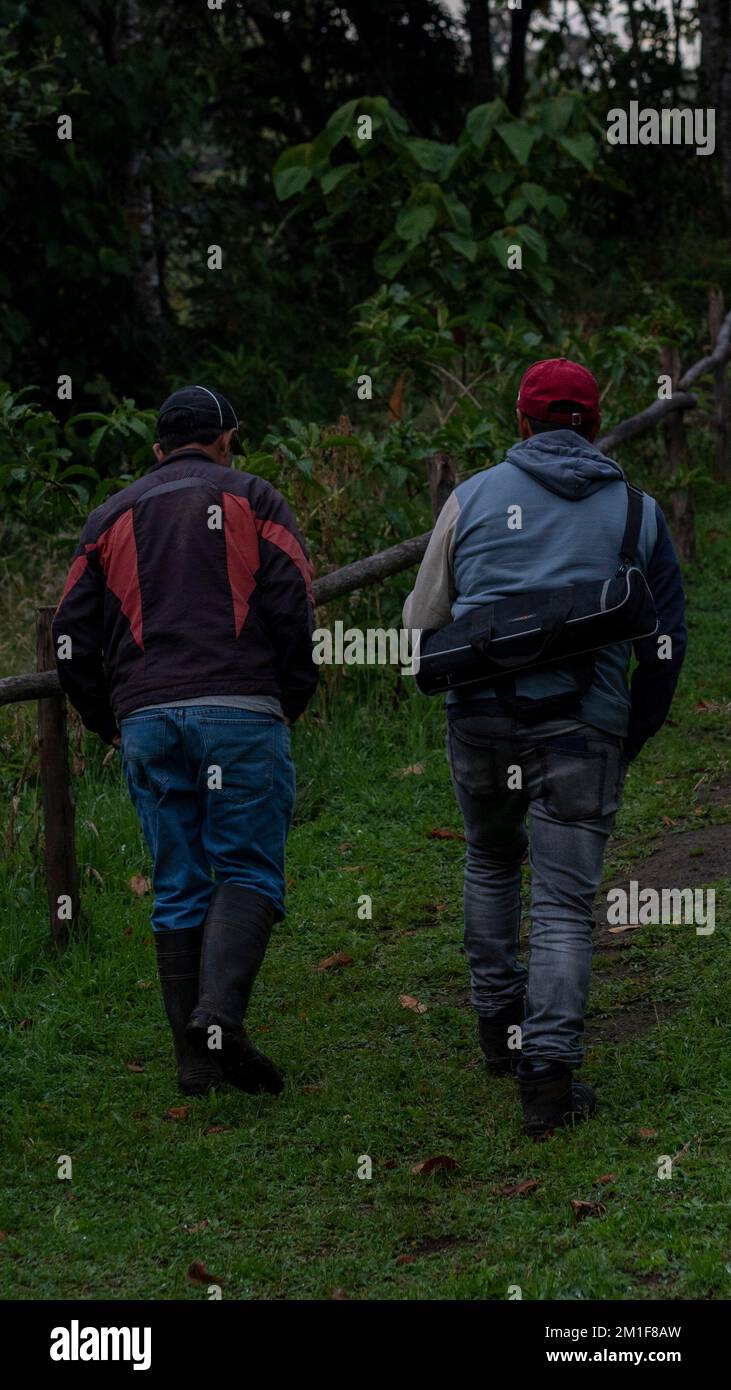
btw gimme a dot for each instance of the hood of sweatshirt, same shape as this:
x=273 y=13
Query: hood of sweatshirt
x=563 y=462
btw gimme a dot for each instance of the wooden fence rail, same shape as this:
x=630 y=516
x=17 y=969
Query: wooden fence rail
x=62 y=877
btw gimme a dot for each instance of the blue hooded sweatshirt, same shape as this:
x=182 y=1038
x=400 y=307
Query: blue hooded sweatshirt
x=553 y=513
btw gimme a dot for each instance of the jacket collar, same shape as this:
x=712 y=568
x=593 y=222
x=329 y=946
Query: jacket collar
x=178 y=454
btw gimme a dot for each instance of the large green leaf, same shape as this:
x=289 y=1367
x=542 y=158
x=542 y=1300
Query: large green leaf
x=481 y=122
x=288 y=182
x=580 y=147
x=556 y=112
x=430 y=155
x=342 y=121
x=293 y=171
x=515 y=208
x=415 y=221
x=498 y=181
x=519 y=138
x=459 y=214
x=535 y=195
x=533 y=240
x=556 y=205
x=333 y=177
x=463 y=245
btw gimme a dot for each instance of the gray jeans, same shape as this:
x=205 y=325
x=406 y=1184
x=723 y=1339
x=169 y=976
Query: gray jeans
x=568 y=778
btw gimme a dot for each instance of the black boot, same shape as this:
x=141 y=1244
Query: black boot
x=178 y=957
x=500 y=1059
x=551 y=1098
x=235 y=938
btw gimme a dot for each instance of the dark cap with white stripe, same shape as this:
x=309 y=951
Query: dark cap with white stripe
x=204 y=409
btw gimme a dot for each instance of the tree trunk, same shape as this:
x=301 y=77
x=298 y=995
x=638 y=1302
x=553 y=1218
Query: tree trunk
x=519 y=26
x=483 y=69
x=140 y=212
x=715 y=83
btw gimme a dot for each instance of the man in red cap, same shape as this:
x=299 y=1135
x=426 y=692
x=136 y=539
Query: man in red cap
x=552 y=744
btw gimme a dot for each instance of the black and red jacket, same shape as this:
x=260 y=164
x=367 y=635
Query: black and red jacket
x=192 y=581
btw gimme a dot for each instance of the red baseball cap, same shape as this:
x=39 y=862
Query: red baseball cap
x=558 y=379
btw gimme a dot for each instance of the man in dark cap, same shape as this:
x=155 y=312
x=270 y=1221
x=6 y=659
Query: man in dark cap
x=184 y=636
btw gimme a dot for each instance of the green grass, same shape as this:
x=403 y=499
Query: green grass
x=273 y=1205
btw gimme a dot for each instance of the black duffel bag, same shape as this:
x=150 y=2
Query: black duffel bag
x=543 y=627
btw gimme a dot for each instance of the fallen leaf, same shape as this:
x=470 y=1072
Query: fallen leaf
x=445 y=834
x=441 y=1163
x=413 y=770
x=410 y=1001
x=139 y=1114
x=584 y=1209
x=217 y=1129
x=352 y=869
x=198 y=1274
x=344 y=847
x=135 y=1066
x=199 y=1226
x=647 y=1133
x=25 y=1024
x=127 y=933
x=628 y=926
x=605 y=1177
x=89 y=825
x=389 y=1163
x=405 y=1260
x=703 y=706
x=139 y=885
x=312 y=1087
x=339 y=1295
x=177 y=1112
x=3 y=1235
x=333 y=962
x=520 y=1189
x=396 y=399
x=144 y=984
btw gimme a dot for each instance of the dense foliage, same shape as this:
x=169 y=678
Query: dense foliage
x=366 y=311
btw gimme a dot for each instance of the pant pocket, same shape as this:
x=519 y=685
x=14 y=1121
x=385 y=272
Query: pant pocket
x=239 y=757
x=474 y=765
x=577 y=785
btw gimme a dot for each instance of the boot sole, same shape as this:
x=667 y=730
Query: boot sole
x=576 y=1113
x=242 y=1066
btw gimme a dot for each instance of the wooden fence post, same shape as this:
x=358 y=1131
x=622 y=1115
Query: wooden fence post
x=442 y=480
x=680 y=498
x=62 y=875
x=721 y=390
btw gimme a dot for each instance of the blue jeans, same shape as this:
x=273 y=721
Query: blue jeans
x=214 y=790
x=568 y=778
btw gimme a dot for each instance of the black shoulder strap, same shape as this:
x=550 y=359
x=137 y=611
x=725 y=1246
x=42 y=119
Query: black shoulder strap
x=632 y=527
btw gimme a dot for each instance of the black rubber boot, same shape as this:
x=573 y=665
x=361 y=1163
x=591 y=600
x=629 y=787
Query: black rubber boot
x=235 y=938
x=501 y=1060
x=551 y=1098
x=178 y=958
